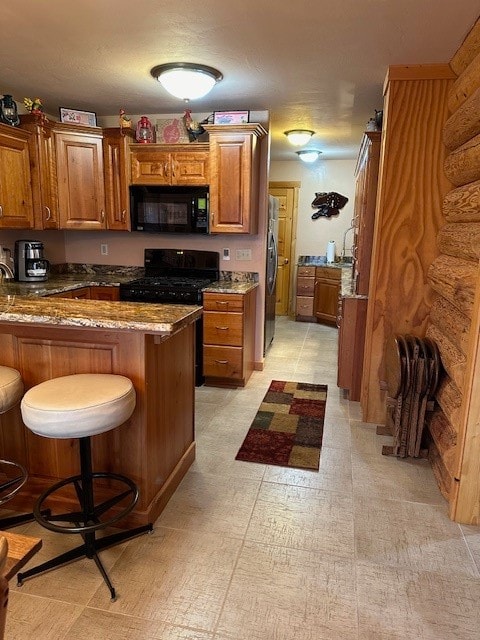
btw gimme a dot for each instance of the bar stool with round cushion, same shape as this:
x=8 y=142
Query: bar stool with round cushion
x=81 y=406
x=11 y=392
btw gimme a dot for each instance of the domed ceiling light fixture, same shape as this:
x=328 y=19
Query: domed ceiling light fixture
x=186 y=80
x=299 y=137
x=308 y=155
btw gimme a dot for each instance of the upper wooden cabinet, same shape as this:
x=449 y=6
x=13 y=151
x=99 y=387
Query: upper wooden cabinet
x=366 y=176
x=117 y=177
x=168 y=165
x=81 y=194
x=234 y=184
x=16 y=196
x=44 y=175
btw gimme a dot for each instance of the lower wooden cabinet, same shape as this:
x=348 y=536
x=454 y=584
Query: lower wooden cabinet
x=305 y=294
x=351 y=341
x=228 y=338
x=327 y=291
x=90 y=293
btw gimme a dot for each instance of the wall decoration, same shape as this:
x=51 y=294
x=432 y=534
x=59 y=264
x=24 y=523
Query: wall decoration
x=74 y=116
x=230 y=117
x=171 y=131
x=329 y=204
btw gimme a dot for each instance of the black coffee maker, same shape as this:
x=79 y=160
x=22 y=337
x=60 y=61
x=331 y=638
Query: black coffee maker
x=29 y=262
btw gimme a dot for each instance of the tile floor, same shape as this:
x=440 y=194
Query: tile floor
x=361 y=550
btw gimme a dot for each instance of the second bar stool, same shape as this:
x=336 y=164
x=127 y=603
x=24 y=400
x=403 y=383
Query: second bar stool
x=11 y=391
x=81 y=406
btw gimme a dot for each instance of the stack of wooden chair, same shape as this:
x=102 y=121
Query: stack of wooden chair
x=412 y=372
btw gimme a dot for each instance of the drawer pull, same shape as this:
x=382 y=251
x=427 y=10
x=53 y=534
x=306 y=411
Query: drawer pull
x=222 y=303
x=221 y=328
x=221 y=361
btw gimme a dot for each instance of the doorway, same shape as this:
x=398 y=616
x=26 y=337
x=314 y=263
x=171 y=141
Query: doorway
x=287 y=194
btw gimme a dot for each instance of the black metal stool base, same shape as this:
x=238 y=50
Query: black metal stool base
x=14 y=521
x=88 y=549
x=87 y=519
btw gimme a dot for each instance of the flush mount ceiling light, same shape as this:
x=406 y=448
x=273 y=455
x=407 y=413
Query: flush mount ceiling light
x=186 y=80
x=308 y=155
x=298 y=137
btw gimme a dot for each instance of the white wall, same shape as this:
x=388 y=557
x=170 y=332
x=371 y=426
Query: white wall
x=326 y=175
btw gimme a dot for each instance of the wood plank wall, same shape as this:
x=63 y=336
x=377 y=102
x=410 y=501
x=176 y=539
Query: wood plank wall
x=408 y=216
x=454 y=275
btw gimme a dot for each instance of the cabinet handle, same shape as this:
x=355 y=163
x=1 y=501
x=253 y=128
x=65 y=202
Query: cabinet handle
x=222 y=303
x=124 y=215
x=49 y=214
x=1 y=211
x=221 y=361
x=221 y=328
x=102 y=216
x=165 y=169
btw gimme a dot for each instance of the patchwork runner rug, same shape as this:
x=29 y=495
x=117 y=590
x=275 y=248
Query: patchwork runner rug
x=288 y=427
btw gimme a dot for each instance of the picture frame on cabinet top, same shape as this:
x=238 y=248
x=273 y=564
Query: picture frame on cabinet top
x=74 y=116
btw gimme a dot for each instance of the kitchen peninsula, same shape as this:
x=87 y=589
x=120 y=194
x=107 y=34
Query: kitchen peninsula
x=153 y=345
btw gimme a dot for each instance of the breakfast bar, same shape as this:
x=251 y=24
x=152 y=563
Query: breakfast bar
x=152 y=344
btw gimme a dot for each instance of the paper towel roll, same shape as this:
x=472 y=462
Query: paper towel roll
x=331 y=251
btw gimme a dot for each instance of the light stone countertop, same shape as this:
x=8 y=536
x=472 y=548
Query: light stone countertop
x=224 y=286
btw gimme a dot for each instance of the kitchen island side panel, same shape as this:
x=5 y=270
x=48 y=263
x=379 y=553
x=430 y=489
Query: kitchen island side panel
x=154 y=447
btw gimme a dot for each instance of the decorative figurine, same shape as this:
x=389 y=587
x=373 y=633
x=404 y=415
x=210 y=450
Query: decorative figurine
x=125 y=121
x=194 y=128
x=8 y=111
x=144 y=132
x=329 y=204
x=35 y=107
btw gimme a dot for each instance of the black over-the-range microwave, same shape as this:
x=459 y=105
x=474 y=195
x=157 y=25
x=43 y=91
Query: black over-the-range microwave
x=158 y=209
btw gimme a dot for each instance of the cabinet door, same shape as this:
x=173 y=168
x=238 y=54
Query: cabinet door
x=150 y=166
x=110 y=294
x=115 y=160
x=326 y=299
x=16 y=201
x=230 y=185
x=81 y=194
x=44 y=176
x=190 y=168
x=234 y=171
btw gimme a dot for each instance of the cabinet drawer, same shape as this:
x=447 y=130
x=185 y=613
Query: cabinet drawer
x=308 y=272
x=332 y=273
x=222 y=362
x=223 y=328
x=304 y=306
x=223 y=302
x=305 y=286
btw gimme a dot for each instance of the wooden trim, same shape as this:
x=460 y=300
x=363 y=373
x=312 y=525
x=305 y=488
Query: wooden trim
x=292 y=184
x=259 y=365
x=418 y=72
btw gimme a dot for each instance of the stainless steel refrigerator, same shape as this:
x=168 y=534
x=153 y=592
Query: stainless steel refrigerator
x=271 y=271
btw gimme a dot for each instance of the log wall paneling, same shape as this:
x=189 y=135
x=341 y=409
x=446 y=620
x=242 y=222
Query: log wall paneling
x=465 y=85
x=453 y=360
x=412 y=186
x=464 y=124
x=449 y=321
x=463 y=204
x=463 y=165
x=455 y=280
x=467 y=51
x=449 y=398
x=455 y=276
x=461 y=240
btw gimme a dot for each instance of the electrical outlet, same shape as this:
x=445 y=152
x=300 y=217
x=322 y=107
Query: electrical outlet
x=244 y=254
x=226 y=254
x=104 y=249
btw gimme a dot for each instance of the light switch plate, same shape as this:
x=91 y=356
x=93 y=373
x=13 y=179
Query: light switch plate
x=244 y=254
x=226 y=254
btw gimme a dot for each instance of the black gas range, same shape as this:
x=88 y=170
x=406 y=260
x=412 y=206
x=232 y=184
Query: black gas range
x=176 y=276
